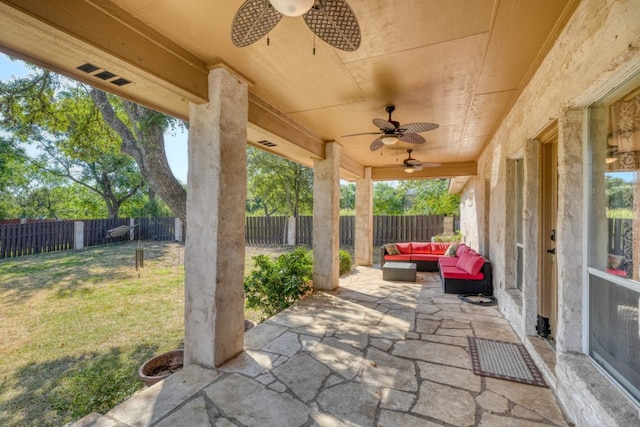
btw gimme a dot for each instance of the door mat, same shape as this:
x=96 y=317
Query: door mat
x=504 y=360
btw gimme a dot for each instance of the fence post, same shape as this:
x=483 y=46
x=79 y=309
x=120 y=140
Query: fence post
x=448 y=225
x=291 y=231
x=78 y=235
x=178 y=230
x=132 y=230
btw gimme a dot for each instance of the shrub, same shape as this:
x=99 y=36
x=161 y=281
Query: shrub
x=345 y=262
x=448 y=238
x=274 y=285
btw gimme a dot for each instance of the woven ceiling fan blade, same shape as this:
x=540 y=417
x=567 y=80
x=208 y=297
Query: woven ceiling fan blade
x=376 y=144
x=413 y=162
x=334 y=22
x=412 y=138
x=419 y=127
x=383 y=124
x=430 y=165
x=252 y=21
x=358 y=134
x=417 y=167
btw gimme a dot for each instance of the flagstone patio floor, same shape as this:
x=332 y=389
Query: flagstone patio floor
x=371 y=353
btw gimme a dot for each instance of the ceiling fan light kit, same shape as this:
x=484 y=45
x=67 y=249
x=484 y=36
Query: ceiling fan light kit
x=389 y=139
x=409 y=169
x=292 y=7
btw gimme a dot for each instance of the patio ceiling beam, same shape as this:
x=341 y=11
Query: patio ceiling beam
x=446 y=170
x=91 y=26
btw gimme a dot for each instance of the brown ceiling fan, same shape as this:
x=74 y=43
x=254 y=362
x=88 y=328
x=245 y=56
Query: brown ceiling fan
x=411 y=165
x=333 y=21
x=392 y=131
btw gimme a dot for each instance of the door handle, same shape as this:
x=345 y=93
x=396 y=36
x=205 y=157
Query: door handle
x=552 y=251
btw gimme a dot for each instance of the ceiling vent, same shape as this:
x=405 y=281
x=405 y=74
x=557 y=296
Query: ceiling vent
x=103 y=75
x=267 y=143
x=120 y=82
x=88 y=68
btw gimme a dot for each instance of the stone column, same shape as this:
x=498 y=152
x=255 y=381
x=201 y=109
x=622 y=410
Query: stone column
x=530 y=229
x=570 y=232
x=214 y=250
x=291 y=231
x=78 y=235
x=326 y=219
x=364 y=220
x=132 y=230
x=178 y=230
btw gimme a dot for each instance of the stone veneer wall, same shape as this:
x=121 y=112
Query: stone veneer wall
x=596 y=51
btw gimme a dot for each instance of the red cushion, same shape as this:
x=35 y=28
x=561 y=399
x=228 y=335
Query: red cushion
x=445 y=261
x=474 y=265
x=406 y=257
x=404 y=248
x=424 y=257
x=621 y=273
x=462 y=248
x=439 y=248
x=462 y=261
x=457 y=273
x=421 y=248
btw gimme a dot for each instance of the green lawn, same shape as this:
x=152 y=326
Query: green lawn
x=77 y=325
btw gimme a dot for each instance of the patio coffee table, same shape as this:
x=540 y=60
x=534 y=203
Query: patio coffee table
x=400 y=271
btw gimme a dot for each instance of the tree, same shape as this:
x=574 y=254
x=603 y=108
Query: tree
x=348 y=197
x=31 y=112
x=431 y=197
x=142 y=136
x=278 y=185
x=62 y=120
x=387 y=199
x=13 y=176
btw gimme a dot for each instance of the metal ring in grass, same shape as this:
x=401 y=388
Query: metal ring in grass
x=478 y=299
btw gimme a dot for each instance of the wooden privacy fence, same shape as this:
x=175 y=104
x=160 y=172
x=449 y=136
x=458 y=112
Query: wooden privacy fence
x=95 y=231
x=620 y=235
x=386 y=229
x=266 y=230
x=35 y=237
x=46 y=236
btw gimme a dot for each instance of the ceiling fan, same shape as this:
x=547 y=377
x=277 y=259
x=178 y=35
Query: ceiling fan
x=411 y=165
x=392 y=131
x=331 y=20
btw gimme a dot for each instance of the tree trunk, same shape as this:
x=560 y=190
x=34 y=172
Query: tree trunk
x=146 y=146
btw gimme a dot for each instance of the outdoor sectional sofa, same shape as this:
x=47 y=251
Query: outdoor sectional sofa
x=462 y=269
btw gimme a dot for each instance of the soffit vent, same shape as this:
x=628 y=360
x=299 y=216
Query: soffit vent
x=120 y=82
x=88 y=68
x=267 y=143
x=103 y=74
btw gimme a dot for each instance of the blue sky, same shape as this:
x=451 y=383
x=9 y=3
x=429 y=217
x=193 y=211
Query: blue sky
x=175 y=145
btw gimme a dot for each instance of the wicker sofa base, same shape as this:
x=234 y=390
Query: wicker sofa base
x=463 y=286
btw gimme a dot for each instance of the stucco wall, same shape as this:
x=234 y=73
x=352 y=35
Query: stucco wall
x=597 y=50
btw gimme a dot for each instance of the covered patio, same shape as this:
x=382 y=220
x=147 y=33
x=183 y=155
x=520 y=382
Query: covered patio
x=371 y=353
x=524 y=93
